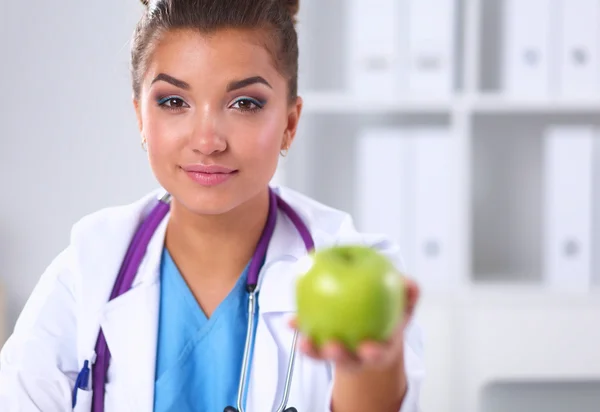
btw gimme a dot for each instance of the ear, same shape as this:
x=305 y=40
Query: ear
x=138 y=114
x=293 y=119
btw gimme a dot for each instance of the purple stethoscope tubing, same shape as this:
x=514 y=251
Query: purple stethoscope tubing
x=131 y=263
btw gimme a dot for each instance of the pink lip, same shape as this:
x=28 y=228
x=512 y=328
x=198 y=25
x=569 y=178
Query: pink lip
x=209 y=175
x=208 y=169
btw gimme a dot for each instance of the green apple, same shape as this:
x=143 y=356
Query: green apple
x=349 y=294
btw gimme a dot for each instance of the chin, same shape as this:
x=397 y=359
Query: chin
x=212 y=200
x=208 y=201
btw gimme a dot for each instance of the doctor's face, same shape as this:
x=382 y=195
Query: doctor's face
x=215 y=114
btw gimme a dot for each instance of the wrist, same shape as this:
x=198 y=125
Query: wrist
x=381 y=389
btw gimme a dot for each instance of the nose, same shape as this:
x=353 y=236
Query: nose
x=207 y=137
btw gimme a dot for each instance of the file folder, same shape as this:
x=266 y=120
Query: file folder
x=568 y=209
x=527 y=48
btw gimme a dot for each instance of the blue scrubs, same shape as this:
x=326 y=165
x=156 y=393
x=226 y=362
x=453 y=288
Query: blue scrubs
x=198 y=360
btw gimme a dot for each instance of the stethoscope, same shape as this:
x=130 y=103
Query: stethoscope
x=129 y=267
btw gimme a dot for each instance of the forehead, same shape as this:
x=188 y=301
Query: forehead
x=223 y=54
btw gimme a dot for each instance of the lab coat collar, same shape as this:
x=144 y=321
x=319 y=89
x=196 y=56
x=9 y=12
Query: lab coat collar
x=130 y=325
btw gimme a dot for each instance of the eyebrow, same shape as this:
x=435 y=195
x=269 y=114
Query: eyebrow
x=238 y=84
x=234 y=85
x=172 y=80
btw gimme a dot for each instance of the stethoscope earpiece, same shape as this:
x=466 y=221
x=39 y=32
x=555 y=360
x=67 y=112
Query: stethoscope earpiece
x=292 y=409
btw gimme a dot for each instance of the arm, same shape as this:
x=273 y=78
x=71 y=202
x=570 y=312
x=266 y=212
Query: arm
x=380 y=377
x=392 y=384
x=38 y=363
x=384 y=377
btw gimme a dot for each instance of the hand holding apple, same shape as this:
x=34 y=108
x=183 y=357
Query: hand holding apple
x=352 y=307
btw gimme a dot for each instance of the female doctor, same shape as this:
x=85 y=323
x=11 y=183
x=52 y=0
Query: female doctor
x=215 y=93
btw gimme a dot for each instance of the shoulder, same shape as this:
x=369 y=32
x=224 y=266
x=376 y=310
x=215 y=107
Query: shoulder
x=317 y=216
x=330 y=226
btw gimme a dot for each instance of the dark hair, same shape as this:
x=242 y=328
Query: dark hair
x=275 y=17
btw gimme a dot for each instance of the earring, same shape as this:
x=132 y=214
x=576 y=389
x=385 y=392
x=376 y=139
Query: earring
x=144 y=145
x=284 y=152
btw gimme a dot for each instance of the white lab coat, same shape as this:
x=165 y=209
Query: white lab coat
x=58 y=327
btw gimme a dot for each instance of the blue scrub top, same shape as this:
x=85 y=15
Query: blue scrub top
x=198 y=360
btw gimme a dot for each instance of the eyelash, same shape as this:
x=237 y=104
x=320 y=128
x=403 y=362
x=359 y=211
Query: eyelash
x=163 y=100
x=258 y=105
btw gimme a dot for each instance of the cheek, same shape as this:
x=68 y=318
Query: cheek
x=262 y=139
x=164 y=133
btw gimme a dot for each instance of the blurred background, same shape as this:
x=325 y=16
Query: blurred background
x=468 y=130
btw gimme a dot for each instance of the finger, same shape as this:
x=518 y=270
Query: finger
x=371 y=353
x=380 y=353
x=309 y=349
x=412 y=297
x=337 y=353
x=293 y=323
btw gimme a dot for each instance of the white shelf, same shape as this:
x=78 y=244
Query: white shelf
x=331 y=102
x=511 y=296
x=502 y=104
x=342 y=103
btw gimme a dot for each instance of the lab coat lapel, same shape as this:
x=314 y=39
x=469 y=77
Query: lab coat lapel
x=276 y=305
x=130 y=325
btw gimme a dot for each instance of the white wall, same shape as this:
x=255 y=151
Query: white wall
x=68 y=137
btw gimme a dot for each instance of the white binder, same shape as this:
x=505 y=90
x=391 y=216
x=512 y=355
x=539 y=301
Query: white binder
x=568 y=188
x=431 y=50
x=596 y=212
x=384 y=191
x=374 y=43
x=405 y=190
x=579 y=51
x=526 y=48
x=435 y=207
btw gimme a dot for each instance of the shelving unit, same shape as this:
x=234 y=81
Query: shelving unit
x=482 y=103
x=496 y=205
x=498 y=208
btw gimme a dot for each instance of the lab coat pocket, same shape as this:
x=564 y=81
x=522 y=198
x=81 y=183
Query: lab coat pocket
x=84 y=401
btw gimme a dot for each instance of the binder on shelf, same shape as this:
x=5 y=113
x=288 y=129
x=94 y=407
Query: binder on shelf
x=435 y=208
x=431 y=46
x=596 y=212
x=375 y=67
x=384 y=187
x=405 y=190
x=579 y=51
x=527 y=47
x=568 y=206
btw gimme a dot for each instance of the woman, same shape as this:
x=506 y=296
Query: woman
x=215 y=93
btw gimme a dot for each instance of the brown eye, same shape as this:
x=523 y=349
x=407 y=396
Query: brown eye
x=175 y=102
x=246 y=104
x=172 y=102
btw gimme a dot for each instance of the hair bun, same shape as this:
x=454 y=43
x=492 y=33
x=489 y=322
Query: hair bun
x=292 y=6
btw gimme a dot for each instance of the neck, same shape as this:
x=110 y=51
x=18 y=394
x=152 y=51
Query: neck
x=216 y=245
